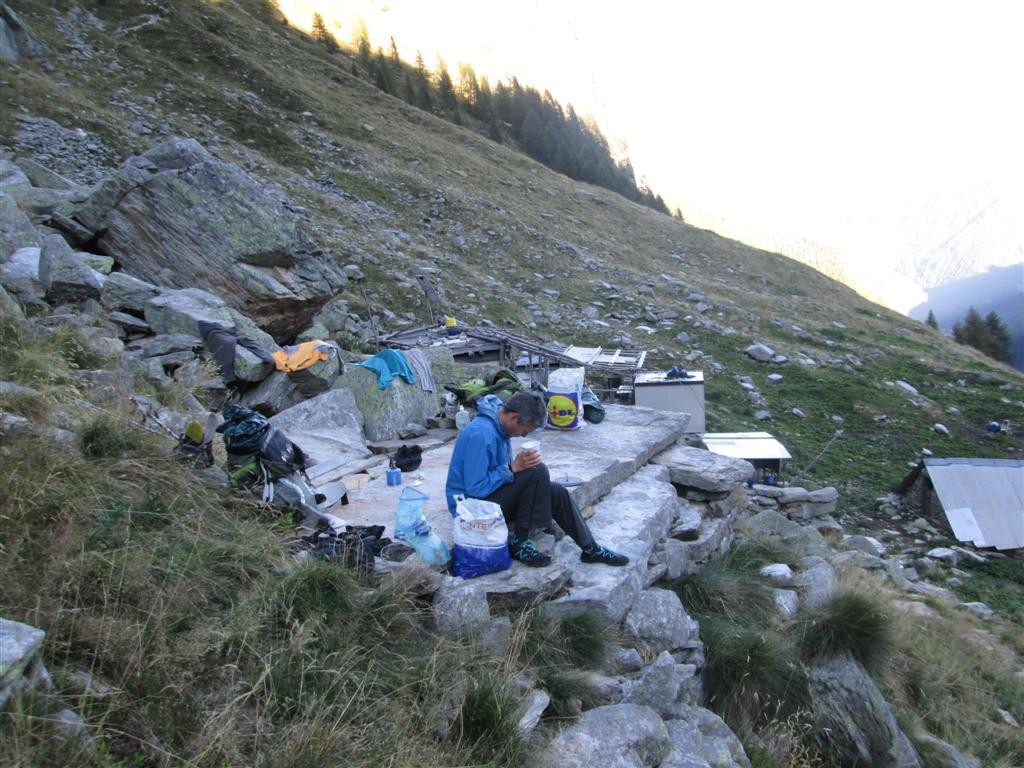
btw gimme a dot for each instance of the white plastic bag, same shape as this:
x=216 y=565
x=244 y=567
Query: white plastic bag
x=565 y=398
x=481 y=538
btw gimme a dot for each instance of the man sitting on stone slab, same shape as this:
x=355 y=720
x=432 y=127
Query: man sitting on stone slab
x=483 y=467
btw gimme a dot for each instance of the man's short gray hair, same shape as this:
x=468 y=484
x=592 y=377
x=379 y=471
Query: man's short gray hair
x=530 y=406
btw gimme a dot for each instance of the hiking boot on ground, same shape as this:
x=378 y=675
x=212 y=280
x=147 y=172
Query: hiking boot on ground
x=598 y=554
x=526 y=552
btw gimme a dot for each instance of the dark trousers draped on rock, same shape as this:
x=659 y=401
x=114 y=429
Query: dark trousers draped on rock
x=531 y=501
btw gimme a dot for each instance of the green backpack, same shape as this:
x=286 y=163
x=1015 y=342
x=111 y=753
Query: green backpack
x=504 y=384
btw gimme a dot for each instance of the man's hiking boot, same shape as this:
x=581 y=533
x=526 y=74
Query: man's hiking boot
x=595 y=553
x=526 y=552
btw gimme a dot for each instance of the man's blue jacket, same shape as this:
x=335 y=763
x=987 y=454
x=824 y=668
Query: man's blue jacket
x=482 y=455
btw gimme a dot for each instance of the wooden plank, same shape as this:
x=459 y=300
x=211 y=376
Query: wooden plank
x=350 y=468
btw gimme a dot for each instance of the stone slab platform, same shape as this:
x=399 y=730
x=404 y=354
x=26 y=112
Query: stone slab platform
x=601 y=455
x=631 y=519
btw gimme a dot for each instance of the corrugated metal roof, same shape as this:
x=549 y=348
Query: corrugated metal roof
x=745 y=445
x=471 y=338
x=983 y=499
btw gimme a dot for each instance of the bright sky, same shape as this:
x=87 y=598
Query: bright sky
x=758 y=119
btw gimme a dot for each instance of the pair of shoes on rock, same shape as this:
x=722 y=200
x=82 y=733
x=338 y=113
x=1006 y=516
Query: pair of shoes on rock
x=595 y=553
x=526 y=552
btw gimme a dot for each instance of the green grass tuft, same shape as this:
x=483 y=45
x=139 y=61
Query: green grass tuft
x=557 y=649
x=849 y=623
x=107 y=437
x=487 y=720
x=725 y=591
x=751 y=676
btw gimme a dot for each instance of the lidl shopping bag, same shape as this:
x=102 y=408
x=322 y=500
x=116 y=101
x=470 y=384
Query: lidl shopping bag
x=481 y=538
x=565 y=398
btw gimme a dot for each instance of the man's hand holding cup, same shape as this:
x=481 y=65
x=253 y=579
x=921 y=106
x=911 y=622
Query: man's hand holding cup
x=528 y=456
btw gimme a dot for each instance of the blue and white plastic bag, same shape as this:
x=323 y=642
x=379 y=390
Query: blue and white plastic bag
x=481 y=538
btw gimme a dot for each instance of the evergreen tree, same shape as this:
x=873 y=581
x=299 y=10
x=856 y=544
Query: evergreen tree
x=396 y=60
x=363 y=49
x=445 y=88
x=424 y=100
x=485 y=102
x=516 y=107
x=381 y=74
x=409 y=91
x=989 y=336
x=999 y=339
x=931 y=321
x=494 y=129
x=532 y=135
x=421 y=66
x=971 y=330
x=502 y=102
x=469 y=88
x=322 y=35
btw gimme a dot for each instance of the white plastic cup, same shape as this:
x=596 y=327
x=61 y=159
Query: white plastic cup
x=530 y=445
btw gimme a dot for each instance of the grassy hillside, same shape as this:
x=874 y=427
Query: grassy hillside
x=393 y=189
x=176 y=626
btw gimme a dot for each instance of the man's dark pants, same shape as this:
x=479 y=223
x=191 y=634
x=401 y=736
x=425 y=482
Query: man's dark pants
x=531 y=501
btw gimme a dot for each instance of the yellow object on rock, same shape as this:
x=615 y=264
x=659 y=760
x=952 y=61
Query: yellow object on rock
x=194 y=432
x=300 y=356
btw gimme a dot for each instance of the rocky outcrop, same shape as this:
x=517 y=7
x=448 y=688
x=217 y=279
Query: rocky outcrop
x=704 y=470
x=16 y=229
x=65 y=275
x=701 y=739
x=615 y=736
x=326 y=427
x=386 y=410
x=16 y=39
x=859 y=721
x=179 y=217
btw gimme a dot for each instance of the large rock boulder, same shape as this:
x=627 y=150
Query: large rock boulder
x=177 y=216
x=400 y=403
x=121 y=291
x=660 y=684
x=773 y=526
x=9 y=307
x=616 y=736
x=281 y=390
x=19 y=274
x=180 y=312
x=939 y=754
x=16 y=229
x=699 y=468
x=659 y=621
x=701 y=739
x=16 y=39
x=65 y=275
x=860 y=723
x=327 y=427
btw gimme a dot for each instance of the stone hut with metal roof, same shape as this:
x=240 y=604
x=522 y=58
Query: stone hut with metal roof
x=980 y=501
